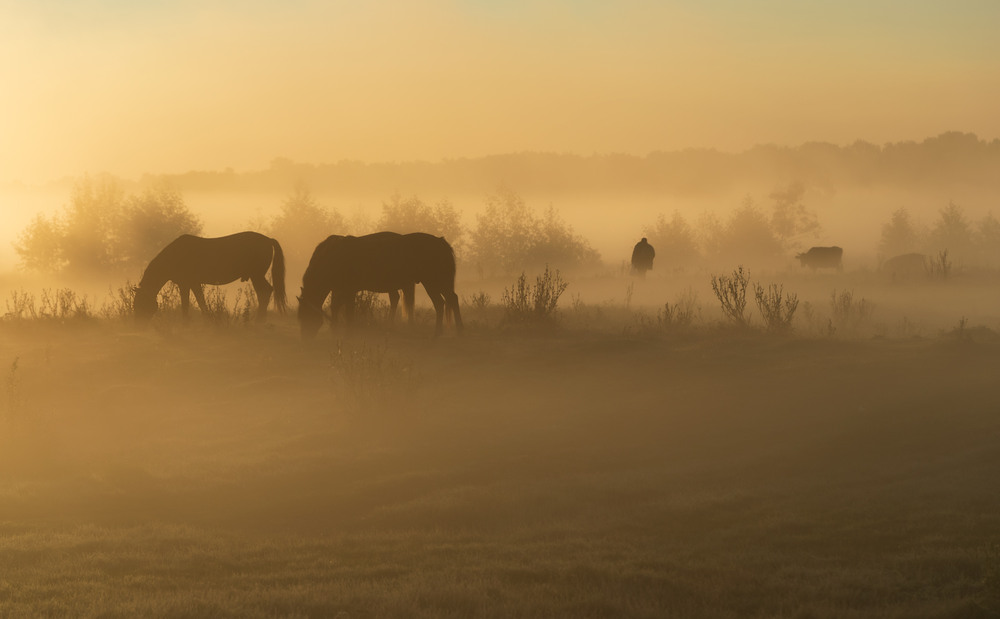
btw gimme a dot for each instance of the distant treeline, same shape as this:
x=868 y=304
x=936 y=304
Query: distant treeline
x=952 y=157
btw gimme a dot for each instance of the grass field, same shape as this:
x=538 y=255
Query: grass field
x=193 y=470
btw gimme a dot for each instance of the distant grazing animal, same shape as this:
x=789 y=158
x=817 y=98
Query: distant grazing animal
x=381 y=262
x=822 y=258
x=191 y=261
x=905 y=267
x=642 y=257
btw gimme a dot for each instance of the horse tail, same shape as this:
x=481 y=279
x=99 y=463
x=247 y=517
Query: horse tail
x=278 y=277
x=451 y=312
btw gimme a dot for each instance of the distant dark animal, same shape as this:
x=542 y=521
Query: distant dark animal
x=905 y=267
x=822 y=258
x=191 y=261
x=642 y=257
x=381 y=262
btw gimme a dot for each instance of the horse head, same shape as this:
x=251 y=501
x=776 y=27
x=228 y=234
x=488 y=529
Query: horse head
x=310 y=317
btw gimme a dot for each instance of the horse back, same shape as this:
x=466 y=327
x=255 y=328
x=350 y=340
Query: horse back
x=220 y=260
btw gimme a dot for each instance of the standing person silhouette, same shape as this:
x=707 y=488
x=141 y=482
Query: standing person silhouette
x=642 y=257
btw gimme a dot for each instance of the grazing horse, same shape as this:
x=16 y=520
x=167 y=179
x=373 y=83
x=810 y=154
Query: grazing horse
x=191 y=261
x=381 y=262
x=822 y=258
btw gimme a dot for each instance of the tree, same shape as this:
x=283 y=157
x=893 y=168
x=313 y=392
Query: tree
x=509 y=237
x=987 y=240
x=790 y=219
x=414 y=215
x=899 y=235
x=39 y=246
x=88 y=225
x=302 y=224
x=557 y=244
x=102 y=229
x=504 y=233
x=745 y=238
x=675 y=241
x=148 y=222
x=953 y=232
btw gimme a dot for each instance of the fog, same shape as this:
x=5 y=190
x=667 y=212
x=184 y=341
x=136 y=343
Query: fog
x=634 y=450
x=748 y=429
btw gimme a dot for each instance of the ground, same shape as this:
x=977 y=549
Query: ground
x=236 y=471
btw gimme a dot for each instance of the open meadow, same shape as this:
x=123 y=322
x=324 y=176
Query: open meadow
x=624 y=461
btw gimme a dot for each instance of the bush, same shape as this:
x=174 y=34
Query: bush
x=527 y=303
x=732 y=294
x=413 y=215
x=777 y=309
x=509 y=236
x=849 y=314
x=103 y=229
x=679 y=315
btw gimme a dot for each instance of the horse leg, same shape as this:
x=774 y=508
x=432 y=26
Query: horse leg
x=409 y=293
x=438 y=300
x=263 y=290
x=451 y=301
x=199 y=296
x=185 y=292
x=393 y=302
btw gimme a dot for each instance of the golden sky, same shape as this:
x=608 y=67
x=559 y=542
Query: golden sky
x=130 y=87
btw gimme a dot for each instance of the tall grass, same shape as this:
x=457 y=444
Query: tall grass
x=534 y=303
x=367 y=379
x=731 y=290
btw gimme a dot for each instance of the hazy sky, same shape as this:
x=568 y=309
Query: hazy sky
x=131 y=86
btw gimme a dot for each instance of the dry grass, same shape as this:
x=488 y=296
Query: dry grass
x=197 y=471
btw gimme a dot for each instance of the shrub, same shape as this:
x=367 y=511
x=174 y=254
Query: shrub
x=414 y=215
x=508 y=235
x=731 y=290
x=218 y=313
x=119 y=303
x=939 y=267
x=849 y=314
x=103 y=229
x=777 y=309
x=479 y=301
x=524 y=302
x=680 y=314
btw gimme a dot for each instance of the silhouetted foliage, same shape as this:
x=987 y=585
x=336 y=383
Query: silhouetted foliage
x=731 y=290
x=148 y=222
x=102 y=229
x=509 y=237
x=952 y=232
x=987 y=240
x=675 y=241
x=746 y=236
x=791 y=221
x=899 y=235
x=413 y=215
x=302 y=223
x=533 y=303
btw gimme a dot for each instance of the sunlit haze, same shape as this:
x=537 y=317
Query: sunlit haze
x=166 y=87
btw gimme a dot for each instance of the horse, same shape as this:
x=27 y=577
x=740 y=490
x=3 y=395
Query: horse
x=381 y=262
x=191 y=261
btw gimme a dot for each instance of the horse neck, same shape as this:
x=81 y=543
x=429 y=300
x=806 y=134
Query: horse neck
x=153 y=279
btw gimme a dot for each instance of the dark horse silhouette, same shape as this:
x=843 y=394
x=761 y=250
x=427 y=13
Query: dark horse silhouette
x=191 y=261
x=381 y=262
